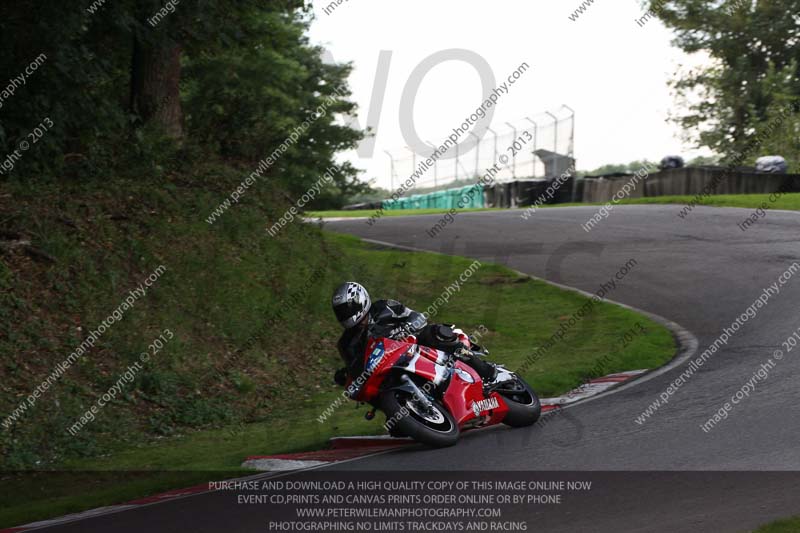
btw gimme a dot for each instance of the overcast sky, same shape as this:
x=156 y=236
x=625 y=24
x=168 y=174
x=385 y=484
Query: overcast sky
x=613 y=72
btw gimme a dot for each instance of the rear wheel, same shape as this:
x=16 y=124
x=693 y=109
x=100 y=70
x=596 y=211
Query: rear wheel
x=406 y=416
x=524 y=408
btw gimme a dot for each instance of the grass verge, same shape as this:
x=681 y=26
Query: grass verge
x=789 y=525
x=790 y=201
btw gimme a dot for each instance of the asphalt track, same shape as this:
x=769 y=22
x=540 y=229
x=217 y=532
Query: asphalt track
x=701 y=272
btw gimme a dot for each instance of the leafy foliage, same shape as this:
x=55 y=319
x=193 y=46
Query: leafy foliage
x=248 y=78
x=755 y=64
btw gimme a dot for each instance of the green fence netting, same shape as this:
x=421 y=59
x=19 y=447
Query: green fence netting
x=467 y=197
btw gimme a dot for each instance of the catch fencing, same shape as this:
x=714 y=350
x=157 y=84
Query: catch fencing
x=519 y=141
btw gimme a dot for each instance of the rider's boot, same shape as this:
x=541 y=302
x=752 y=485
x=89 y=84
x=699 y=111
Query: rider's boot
x=486 y=371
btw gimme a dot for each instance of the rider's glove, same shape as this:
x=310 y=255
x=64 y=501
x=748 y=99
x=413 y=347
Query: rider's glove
x=462 y=352
x=340 y=377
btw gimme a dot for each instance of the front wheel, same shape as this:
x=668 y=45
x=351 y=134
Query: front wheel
x=405 y=415
x=524 y=408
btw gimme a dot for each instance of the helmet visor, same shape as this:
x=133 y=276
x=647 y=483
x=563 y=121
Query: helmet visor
x=346 y=311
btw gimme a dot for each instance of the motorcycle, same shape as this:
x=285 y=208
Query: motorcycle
x=432 y=396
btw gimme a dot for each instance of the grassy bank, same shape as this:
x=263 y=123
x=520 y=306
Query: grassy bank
x=789 y=201
x=790 y=525
x=249 y=370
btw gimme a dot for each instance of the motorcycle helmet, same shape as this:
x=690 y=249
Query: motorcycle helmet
x=351 y=304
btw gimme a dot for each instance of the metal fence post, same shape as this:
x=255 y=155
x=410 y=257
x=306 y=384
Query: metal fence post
x=477 y=153
x=413 y=158
x=533 y=152
x=435 y=166
x=391 y=172
x=555 y=132
x=513 y=152
x=457 y=150
x=571 y=147
x=494 y=133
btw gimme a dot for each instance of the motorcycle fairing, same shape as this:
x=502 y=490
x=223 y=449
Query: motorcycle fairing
x=464 y=396
x=467 y=403
x=384 y=355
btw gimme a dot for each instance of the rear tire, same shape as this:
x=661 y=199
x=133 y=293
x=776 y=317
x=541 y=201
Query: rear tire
x=524 y=408
x=437 y=429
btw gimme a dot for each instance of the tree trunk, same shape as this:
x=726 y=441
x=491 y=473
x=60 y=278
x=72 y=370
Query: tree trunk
x=155 y=85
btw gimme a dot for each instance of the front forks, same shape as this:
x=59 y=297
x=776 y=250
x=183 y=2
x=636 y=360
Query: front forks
x=418 y=394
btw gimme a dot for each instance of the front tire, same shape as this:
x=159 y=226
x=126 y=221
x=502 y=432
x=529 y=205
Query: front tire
x=524 y=408
x=435 y=428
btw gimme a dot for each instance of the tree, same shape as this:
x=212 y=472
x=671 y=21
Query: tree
x=702 y=160
x=778 y=132
x=128 y=82
x=208 y=26
x=727 y=101
x=271 y=89
x=156 y=75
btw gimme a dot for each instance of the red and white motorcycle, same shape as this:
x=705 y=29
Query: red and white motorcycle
x=431 y=396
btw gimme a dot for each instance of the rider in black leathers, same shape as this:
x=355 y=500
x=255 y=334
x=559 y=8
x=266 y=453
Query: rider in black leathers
x=363 y=320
